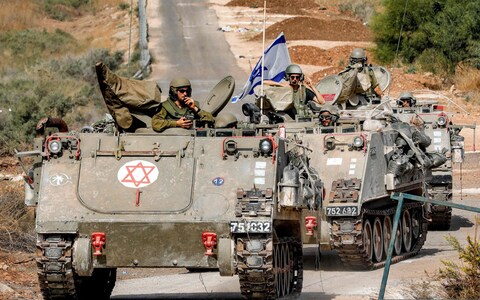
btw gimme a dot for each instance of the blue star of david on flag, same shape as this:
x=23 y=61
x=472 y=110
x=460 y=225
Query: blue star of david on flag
x=276 y=60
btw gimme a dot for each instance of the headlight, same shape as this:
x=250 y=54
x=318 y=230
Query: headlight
x=265 y=146
x=231 y=147
x=358 y=142
x=441 y=121
x=330 y=143
x=55 y=146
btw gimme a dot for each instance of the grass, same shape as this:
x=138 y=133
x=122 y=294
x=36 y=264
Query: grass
x=467 y=79
x=362 y=9
x=16 y=223
x=18 y=15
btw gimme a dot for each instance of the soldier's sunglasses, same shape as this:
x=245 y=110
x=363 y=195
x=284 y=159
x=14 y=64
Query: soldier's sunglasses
x=325 y=117
x=183 y=91
x=294 y=76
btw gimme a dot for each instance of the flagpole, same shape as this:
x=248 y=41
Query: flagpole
x=262 y=93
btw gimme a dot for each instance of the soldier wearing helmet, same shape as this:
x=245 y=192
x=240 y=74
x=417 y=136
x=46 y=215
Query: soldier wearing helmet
x=366 y=82
x=179 y=110
x=406 y=99
x=329 y=115
x=303 y=89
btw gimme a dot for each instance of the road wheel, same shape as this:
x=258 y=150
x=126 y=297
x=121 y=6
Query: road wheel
x=398 y=239
x=416 y=221
x=377 y=239
x=367 y=239
x=407 y=230
x=387 y=232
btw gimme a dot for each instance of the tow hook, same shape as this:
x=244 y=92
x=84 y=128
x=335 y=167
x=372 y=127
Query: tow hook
x=310 y=224
x=209 y=240
x=98 y=242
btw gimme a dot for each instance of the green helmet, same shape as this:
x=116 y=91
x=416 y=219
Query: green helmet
x=332 y=109
x=293 y=69
x=407 y=96
x=225 y=120
x=358 y=55
x=180 y=82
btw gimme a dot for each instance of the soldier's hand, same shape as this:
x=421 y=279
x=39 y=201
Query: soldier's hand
x=190 y=103
x=184 y=123
x=308 y=82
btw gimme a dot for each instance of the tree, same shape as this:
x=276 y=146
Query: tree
x=434 y=34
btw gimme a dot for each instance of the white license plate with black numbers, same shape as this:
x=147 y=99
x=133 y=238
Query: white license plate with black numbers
x=342 y=211
x=250 y=226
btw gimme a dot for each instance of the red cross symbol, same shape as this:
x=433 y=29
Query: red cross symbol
x=140 y=176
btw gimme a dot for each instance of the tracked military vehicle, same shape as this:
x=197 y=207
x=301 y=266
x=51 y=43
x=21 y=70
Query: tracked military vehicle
x=445 y=139
x=362 y=159
x=221 y=198
x=444 y=135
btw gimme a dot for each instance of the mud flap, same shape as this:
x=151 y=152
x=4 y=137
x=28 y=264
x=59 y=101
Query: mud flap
x=225 y=256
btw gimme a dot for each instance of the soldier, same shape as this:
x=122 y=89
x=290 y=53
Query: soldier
x=303 y=89
x=179 y=110
x=359 y=78
x=406 y=99
x=329 y=115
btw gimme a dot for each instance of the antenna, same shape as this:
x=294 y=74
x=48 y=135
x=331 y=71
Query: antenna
x=262 y=92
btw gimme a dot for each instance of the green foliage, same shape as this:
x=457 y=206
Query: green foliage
x=62 y=9
x=26 y=47
x=462 y=281
x=361 y=9
x=123 y=6
x=57 y=88
x=435 y=34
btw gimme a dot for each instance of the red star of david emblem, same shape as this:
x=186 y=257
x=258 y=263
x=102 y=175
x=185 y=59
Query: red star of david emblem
x=131 y=178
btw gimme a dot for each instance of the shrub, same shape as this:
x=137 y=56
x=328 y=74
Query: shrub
x=27 y=47
x=16 y=224
x=462 y=281
x=57 y=88
x=63 y=9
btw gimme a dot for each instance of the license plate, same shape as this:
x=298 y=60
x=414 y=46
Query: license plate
x=250 y=226
x=342 y=211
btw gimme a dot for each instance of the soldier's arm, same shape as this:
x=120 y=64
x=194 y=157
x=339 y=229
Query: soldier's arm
x=318 y=97
x=376 y=86
x=274 y=83
x=378 y=91
x=160 y=122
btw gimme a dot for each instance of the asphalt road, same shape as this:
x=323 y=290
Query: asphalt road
x=331 y=281
x=184 y=41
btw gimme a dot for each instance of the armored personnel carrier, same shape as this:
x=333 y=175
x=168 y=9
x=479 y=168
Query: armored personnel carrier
x=437 y=125
x=221 y=198
x=362 y=159
x=445 y=139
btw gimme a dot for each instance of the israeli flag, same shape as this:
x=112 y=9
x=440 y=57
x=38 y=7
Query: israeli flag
x=276 y=61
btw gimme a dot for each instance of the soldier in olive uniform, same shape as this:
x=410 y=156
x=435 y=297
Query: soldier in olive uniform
x=179 y=110
x=329 y=115
x=303 y=89
x=406 y=99
x=360 y=76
